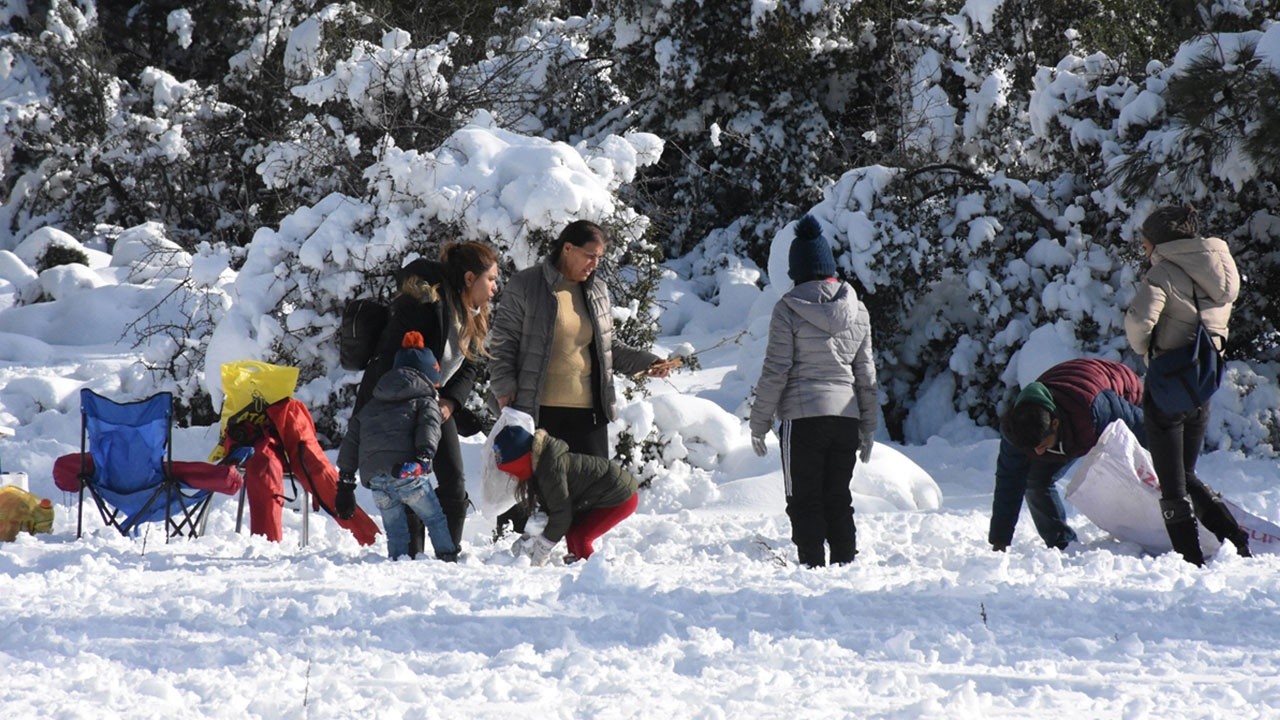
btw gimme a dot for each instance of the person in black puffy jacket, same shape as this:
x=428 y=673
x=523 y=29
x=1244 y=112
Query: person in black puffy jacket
x=392 y=441
x=448 y=303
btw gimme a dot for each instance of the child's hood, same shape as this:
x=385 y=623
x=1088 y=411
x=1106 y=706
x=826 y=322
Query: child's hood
x=402 y=384
x=540 y=437
x=830 y=305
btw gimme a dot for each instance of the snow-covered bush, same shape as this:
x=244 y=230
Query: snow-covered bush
x=483 y=183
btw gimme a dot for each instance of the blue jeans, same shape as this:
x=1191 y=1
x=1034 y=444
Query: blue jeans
x=392 y=495
x=1047 y=510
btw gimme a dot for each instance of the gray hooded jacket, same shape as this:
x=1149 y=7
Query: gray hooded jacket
x=398 y=425
x=1162 y=315
x=818 y=361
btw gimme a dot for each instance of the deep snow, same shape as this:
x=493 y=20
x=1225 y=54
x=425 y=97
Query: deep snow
x=685 y=611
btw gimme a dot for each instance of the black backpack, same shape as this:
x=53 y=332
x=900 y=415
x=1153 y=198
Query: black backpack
x=363 y=321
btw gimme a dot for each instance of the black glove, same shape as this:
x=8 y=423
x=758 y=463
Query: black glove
x=345 y=503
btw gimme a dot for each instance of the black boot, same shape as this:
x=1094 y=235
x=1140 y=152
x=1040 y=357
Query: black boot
x=455 y=515
x=1217 y=519
x=455 y=528
x=1180 y=522
x=417 y=533
x=812 y=557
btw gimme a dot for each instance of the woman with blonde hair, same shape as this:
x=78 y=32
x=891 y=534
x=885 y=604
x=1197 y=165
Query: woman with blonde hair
x=448 y=302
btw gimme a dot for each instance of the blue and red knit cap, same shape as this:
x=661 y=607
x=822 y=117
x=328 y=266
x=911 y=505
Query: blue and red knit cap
x=810 y=257
x=513 y=451
x=414 y=353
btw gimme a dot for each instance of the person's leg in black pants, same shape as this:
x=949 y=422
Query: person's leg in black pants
x=804 y=448
x=451 y=490
x=451 y=480
x=1171 y=455
x=1208 y=504
x=837 y=499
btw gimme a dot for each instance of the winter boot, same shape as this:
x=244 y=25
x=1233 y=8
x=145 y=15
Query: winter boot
x=812 y=557
x=843 y=553
x=1217 y=519
x=1180 y=522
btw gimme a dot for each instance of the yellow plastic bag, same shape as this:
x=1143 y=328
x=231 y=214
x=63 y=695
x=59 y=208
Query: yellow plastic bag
x=247 y=383
x=20 y=510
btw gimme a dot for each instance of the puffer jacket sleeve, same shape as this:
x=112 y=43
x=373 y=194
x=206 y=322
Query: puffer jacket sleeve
x=864 y=377
x=349 y=451
x=778 y=358
x=1110 y=406
x=426 y=431
x=622 y=358
x=1012 y=468
x=1141 y=317
x=505 y=334
x=459 y=386
x=629 y=361
x=553 y=486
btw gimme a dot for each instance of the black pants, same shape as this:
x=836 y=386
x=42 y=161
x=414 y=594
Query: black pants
x=451 y=489
x=818 y=456
x=584 y=431
x=1175 y=441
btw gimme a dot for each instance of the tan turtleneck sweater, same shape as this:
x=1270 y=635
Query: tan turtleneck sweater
x=569 y=372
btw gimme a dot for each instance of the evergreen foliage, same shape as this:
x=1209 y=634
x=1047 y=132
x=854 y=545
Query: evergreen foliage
x=1000 y=153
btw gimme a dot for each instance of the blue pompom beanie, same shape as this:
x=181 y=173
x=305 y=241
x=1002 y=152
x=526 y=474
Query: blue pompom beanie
x=810 y=257
x=413 y=353
x=511 y=443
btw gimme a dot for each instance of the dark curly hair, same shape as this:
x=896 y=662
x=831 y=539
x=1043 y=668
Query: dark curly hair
x=1026 y=425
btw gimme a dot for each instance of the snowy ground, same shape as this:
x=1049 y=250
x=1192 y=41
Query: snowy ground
x=683 y=613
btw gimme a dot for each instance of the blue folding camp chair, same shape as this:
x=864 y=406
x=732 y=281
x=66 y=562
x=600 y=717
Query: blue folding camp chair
x=130 y=476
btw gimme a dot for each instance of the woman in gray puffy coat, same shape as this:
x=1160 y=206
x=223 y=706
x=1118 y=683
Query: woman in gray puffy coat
x=1187 y=270
x=819 y=379
x=553 y=349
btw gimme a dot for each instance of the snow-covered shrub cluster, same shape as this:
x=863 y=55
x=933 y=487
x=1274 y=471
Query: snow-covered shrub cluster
x=980 y=165
x=483 y=183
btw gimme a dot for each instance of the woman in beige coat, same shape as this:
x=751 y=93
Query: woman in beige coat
x=1187 y=270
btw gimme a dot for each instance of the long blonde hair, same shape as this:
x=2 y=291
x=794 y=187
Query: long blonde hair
x=459 y=259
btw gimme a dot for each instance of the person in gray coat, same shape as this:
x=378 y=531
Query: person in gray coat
x=553 y=349
x=819 y=379
x=391 y=441
x=1191 y=277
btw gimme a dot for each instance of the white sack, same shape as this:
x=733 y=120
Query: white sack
x=1115 y=486
x=498 y=488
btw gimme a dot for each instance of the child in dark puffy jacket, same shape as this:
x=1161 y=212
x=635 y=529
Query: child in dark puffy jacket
x=584 y=496
x=391 y=441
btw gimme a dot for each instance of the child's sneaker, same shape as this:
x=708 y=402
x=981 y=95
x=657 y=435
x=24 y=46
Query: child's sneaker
x=570 y=558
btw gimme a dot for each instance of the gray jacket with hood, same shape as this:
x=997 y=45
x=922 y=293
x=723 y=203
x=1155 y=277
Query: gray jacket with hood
x=818 y=361
x=1162 y=315
x=398 y=425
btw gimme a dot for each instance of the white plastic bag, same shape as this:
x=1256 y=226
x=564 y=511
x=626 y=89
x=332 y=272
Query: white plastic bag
x=498 y=488
x=1115 y=486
